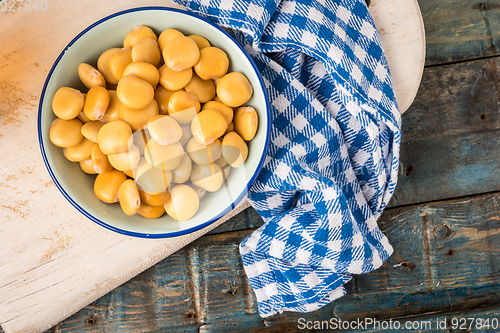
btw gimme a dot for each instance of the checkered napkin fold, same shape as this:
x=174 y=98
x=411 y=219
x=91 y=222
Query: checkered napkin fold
x=333 y=157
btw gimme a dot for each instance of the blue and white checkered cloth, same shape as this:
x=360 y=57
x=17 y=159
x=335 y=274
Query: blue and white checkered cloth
x=333 y=159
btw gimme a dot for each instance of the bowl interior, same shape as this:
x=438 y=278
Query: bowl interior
x=77 y=186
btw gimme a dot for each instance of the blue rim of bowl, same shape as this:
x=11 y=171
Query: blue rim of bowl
x=138 y=234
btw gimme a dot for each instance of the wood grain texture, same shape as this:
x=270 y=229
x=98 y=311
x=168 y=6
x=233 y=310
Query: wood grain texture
x=403 y=37
x=455 y=153
x=460 y=98
x=446 y=260
x=460 y=30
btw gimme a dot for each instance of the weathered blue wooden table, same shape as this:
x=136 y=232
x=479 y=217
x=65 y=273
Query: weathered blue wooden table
x=444 y=219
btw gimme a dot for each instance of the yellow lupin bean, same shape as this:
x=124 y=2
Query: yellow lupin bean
x=181 y=53
x=164 y=129
x=118 y=61
x=204 y=90
x=202 y=154
x=225 y=110
x=200 y=41
x=138 y=118
x=80 y=152
x=96 y=103
x=207 y=177
x=91 y=129
x=207 y=126
x=103 y=65
x=143 y=70
x=167 y=35
x=106 y=185
x=113 y=137
x=173 y=80
x=183 y=107
x=246 y=122
x=100 y=160
x=234 y=89
x=147 y=50
x=125 y=161
x=167 y=157
x=155 y=200
x=66 y=133
x=129 y=198
x=67 y=103
x=183 y=171
x=183 y=203
x=152 y=180
x=234 y=149
x=90 y=76
x=213 y=63
x=87 y=166
x=162 y=97
x=151 y=212
x=186 y=135
x=113 y=110
x=134 y=92
x=138 y=33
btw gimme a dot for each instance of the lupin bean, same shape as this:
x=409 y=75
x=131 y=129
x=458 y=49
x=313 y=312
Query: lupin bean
x=96 y=103
x=234 y=89
x=90 y=76
x=67 y=103
x=129 y=198
x=183 y=203
x=213 y=63
x=113 y=137
x=107 y=184
x=118 y=61
x=181 y=53
x=146 y=50
x=138 y=33
x=246 y=122
x=134 y=92
x=66 y=133
x=164 y=129
x=207 y=126
x=208 y=177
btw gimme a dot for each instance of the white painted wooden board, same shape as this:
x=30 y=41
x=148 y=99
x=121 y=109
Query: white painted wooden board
x=54 y=261
x=401 y=31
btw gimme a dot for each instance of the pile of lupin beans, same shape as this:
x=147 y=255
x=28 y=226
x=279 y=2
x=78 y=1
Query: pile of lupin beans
x=162 y=122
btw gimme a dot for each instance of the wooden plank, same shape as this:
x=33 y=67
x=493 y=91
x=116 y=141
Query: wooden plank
x=448 y=167
x=455 y=99
x=446 y=259
x=402 y=34
x=451 y=134
x=458 y=30
x=484 y=320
